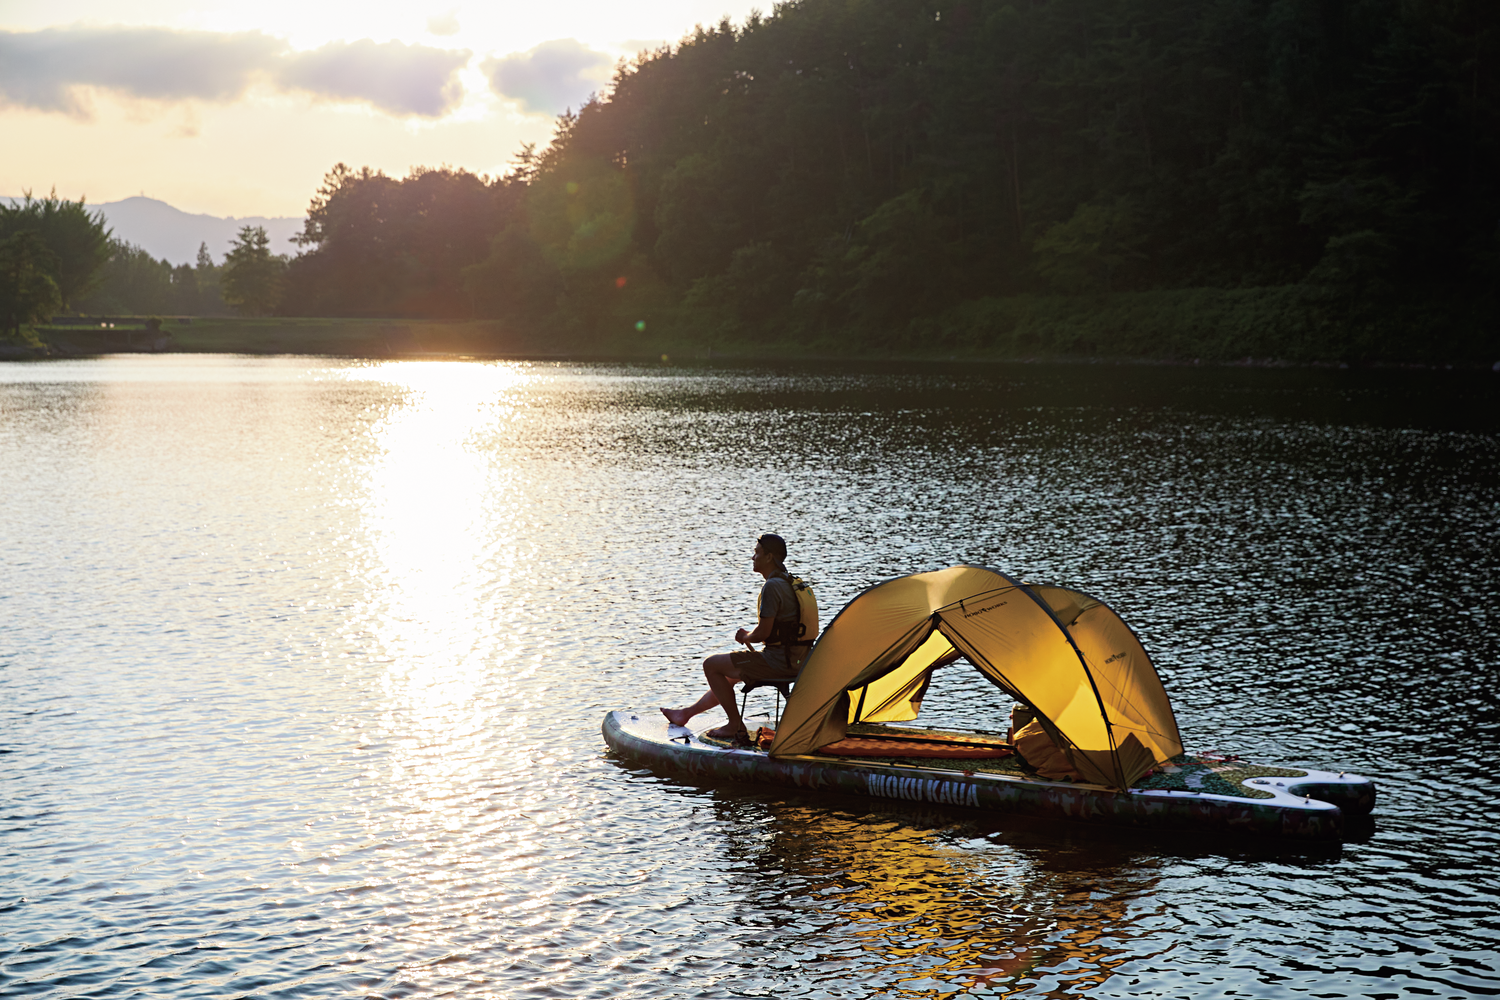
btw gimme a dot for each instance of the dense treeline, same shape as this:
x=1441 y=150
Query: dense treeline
x=865 y=172
x=133 y=283
x=385 y=247
x=56 y=256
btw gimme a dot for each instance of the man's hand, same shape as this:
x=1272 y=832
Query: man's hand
x=761 y=634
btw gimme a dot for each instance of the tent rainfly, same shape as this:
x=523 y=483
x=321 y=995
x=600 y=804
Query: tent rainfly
x=1063 y=653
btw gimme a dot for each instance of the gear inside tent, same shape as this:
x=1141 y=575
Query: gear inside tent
x=1067 y=655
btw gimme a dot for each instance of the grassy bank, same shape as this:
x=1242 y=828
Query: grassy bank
x=276 y=335
x=355 y=337
x=1291 y=324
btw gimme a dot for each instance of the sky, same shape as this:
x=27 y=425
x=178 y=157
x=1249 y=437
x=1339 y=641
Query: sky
x=240 y=109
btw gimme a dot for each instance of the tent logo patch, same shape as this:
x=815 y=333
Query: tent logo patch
x=980 y=611
x=953 y=793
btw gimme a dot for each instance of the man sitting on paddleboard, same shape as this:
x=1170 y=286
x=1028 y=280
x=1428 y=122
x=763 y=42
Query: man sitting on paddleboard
x=778 y=605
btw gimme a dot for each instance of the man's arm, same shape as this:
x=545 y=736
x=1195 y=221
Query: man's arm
x=760 y=634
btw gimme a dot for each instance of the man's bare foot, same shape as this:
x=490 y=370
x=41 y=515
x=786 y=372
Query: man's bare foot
x=676 y=716
x=727 y=732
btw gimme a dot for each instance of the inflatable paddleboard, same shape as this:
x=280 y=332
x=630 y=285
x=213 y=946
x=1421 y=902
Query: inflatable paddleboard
x=1191 y=793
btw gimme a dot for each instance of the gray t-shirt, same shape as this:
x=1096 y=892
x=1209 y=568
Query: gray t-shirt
x=778 y=602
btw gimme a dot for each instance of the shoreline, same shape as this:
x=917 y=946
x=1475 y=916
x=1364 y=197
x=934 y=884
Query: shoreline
x=487 y=340
x=12 y=352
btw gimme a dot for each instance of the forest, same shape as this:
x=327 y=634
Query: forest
x=1300 y=179
x=133 y=283
x=57 y=256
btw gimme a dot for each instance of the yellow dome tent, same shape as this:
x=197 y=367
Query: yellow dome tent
x=1063 y=653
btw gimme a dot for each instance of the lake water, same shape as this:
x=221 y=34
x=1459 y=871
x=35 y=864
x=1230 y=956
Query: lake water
x=303 y=663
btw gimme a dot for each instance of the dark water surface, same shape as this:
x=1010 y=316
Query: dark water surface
x=302 y=666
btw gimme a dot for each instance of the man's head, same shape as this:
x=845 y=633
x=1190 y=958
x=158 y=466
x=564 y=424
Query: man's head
x=770 y=553
x=773 y=544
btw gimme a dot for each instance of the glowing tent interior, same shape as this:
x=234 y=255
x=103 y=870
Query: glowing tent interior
x=1065 y=654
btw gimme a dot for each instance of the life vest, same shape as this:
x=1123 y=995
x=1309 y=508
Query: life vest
x=803 y=631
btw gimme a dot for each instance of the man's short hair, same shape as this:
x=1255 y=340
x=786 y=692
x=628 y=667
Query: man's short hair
x=773 y=544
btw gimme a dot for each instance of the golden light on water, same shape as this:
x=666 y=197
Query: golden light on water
x=438 y=512
x=937 y=916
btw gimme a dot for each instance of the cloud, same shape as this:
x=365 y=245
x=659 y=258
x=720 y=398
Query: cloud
x=393 y=76
x=43 y=69
x=48 y=70
x=443 y=24
x=645 y=44
x=551 y=77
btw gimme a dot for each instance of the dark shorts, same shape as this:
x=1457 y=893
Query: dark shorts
x=751 y=666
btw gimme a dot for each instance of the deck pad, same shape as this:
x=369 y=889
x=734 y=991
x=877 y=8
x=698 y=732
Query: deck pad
x=865 y=746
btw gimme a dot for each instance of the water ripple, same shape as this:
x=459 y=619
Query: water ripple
x=303 y=664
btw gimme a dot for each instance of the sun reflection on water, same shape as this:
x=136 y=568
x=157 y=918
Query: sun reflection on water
x=438 y=513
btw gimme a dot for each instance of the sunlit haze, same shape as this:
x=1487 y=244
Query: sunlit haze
x=240 y=109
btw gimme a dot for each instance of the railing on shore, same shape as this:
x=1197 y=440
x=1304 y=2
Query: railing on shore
x=110 y=322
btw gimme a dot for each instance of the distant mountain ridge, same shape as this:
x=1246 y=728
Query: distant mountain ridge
x=172 y=234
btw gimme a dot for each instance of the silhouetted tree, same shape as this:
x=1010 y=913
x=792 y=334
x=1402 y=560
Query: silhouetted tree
x=206 y=275
x=252 y=276
x=27 y=291
x=77 y=239
x=384 y=247
x=133 y=283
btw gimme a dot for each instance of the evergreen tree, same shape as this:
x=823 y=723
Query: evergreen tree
x=206 y=276
x=252 y=276
x=131 y=283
